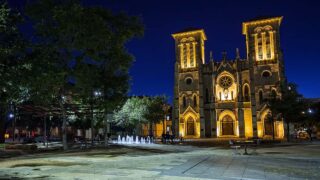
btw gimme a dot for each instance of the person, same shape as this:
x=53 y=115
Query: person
x=172 y=137
x=163 y=138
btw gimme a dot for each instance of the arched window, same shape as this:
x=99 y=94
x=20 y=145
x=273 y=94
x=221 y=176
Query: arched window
x=231 y=95
x=207 y=95
x=194 y=100
x=188 y=81
x=264 y=43
x=246 y=93
x=266 y=74
x=220 y=96
x=184 y=101
x=260 y=97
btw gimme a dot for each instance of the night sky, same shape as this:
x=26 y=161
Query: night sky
x=153 y=69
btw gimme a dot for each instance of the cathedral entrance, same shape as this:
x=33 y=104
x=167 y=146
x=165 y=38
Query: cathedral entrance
x=190 y=127
x=227 y=125
x=267 y=126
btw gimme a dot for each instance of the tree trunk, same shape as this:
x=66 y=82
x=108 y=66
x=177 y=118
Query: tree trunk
x=64 y=126
x=2 y=123
x=106 y=129
x=288 y=132
x=164 y=126
x=44 y=131
x=150 y=129
x=92 y=125
x=14 y=129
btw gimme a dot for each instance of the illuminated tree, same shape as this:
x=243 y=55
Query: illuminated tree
x=132 y=113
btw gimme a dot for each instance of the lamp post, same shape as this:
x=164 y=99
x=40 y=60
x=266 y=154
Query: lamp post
x=11 y=118
x=96 y=94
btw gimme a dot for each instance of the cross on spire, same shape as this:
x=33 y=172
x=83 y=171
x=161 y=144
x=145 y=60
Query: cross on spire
x=224 y=55
x=237 y=53
x=211 y=56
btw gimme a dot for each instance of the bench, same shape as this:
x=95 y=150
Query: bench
x=234 y=147
x=245 y=144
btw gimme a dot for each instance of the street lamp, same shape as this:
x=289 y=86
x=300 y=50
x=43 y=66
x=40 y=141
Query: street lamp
x=97 y=93
x=310 y=111
x=11 y=115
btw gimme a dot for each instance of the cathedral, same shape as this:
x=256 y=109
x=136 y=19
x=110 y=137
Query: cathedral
x=228 y=99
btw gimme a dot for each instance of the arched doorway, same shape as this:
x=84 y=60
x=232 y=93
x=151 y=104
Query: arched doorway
x=190 y=127
x=268 y=126
x=227 y=125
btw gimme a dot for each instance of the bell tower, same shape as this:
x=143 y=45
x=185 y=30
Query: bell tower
x=265 y=66
x=190 y=57
x=263 y=39
x=189 y=45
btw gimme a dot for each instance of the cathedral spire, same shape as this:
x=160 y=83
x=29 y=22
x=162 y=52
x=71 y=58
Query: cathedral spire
x=224 y=56
x=237 y=53
x=211 y=57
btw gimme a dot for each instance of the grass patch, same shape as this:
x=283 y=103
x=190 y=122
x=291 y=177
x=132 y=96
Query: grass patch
x=49 y=163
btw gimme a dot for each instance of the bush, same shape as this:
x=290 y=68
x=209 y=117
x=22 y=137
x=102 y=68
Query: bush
x=27 y=147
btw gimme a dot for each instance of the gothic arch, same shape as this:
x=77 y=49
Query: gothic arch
x=190 y=126
x=183 y=100
x=227 y=124
x=274 y=92
x=258 y=29
x=267 y=28
x=195 y=100
x=266 y=73
x=266 y=123
x=246 y=92
x=191 y=121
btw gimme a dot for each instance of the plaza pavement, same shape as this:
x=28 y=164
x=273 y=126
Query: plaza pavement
x=168 y=162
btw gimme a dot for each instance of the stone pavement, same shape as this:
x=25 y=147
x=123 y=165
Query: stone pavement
x=168 y=162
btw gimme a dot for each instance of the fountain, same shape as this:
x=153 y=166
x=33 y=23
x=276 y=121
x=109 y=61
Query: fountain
x=131 y=140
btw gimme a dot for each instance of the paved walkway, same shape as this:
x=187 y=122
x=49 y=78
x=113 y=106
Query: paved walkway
x=168 y=162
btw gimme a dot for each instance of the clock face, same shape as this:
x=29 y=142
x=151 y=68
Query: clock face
x=225 y=82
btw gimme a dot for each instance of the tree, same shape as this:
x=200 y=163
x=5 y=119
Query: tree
x=132 y=113
x=315 y=109
x=12 y=64
x=287 y=106
x=80 y=49
x=155 y=111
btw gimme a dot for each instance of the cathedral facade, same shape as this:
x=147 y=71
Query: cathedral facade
x=228 y=99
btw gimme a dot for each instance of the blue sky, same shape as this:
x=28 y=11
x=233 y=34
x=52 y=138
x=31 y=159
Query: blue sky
x=153 y=70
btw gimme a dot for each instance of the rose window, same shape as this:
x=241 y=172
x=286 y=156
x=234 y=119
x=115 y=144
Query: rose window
x=225 y=82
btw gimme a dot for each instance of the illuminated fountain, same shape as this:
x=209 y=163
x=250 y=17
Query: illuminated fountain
x=131 y=140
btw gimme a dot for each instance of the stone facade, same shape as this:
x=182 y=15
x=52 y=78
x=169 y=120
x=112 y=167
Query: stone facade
x=227 y=99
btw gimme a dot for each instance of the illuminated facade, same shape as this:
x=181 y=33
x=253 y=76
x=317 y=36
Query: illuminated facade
x=226 y=99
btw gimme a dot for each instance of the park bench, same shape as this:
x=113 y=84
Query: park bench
x=236 y=145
